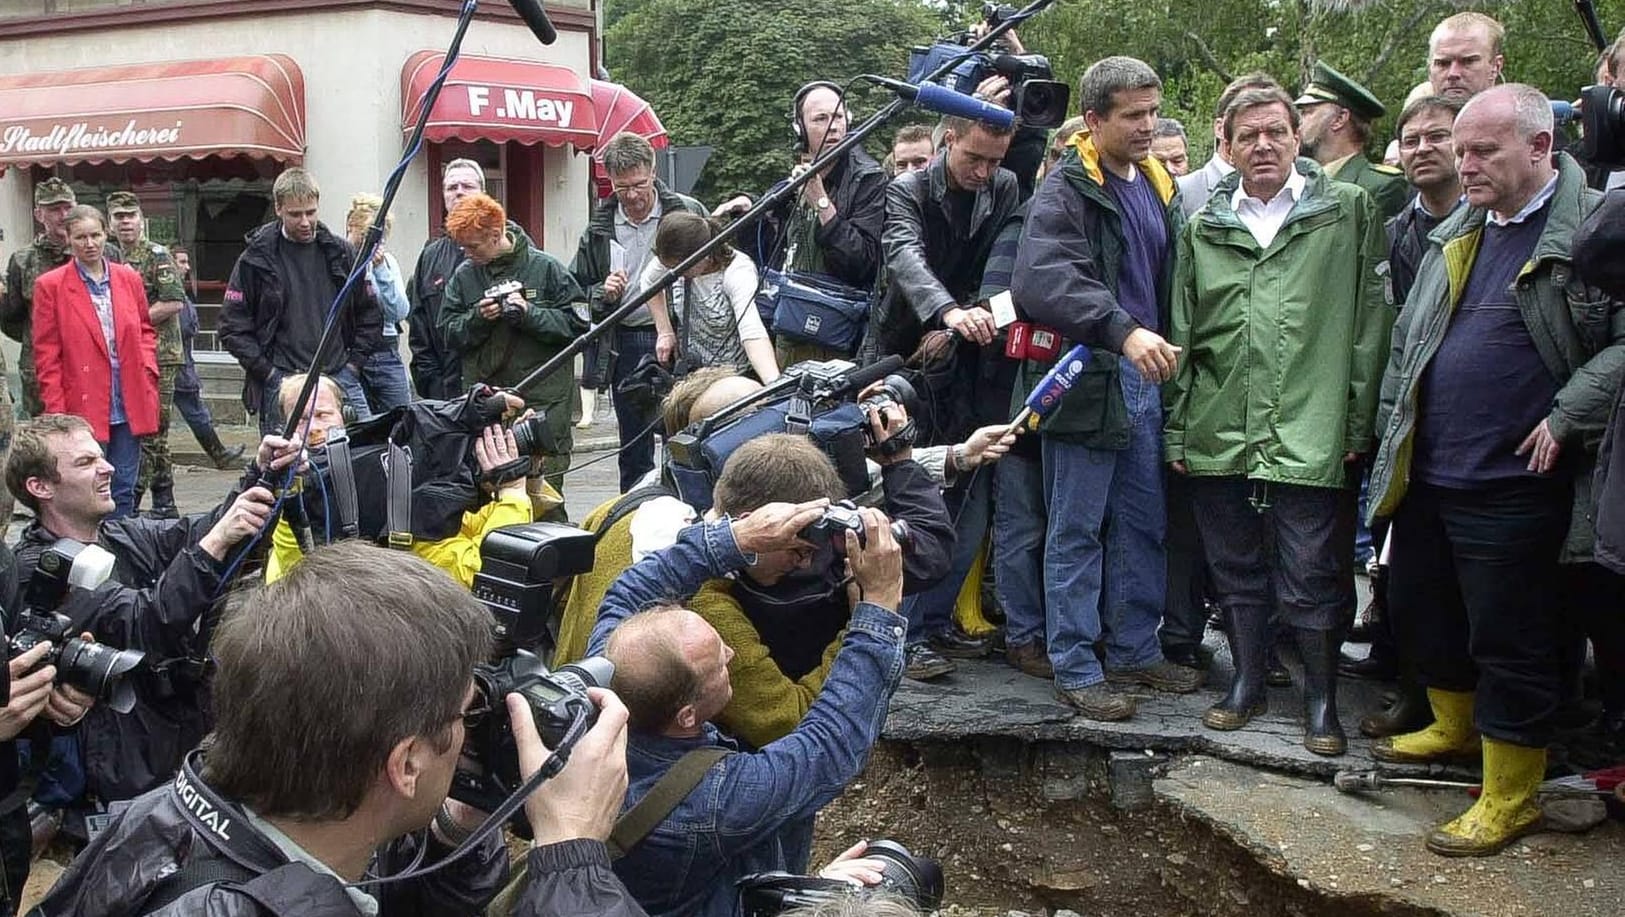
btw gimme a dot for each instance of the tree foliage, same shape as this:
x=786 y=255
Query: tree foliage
x=723 y=74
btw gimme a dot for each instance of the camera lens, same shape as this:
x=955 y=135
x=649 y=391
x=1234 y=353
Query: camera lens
x=100 y=671
x=532 y=437
x=919 y=879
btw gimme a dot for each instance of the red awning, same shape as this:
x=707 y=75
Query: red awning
x=619 y=109
x=229 y=106
x=492 y=98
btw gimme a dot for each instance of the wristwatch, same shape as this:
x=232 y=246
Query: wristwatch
x=823 y=203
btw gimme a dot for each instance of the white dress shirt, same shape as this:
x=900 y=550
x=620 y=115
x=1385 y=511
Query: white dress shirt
x=1263 y=219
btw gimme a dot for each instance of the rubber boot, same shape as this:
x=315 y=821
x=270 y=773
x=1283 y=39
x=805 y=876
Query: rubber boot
x=589 y=407
x=163 y=501
x=1322 y=733
x=217 y=452
x=1249 y=634
x=1506 y=808
x=1409 y=712
x=1451 y=737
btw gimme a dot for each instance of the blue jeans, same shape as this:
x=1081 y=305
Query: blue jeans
x=1105 y=573
x=1020 y=519
x=123 y=451
x=932 y=612
x=190 y=403
x=383 y=377
x=632 y=414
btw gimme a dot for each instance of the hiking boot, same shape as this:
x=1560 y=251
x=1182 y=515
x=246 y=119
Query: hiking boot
x=1031 y=658
x=1096 y=702
x=922 y=663
x=1161 y=675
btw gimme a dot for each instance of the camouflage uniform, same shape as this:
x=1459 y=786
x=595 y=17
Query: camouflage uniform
x=163 y=284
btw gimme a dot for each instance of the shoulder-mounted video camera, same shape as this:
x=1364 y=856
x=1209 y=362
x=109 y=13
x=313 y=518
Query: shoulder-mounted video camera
x=1036 y=97
x=91 y=667
x=817 y=399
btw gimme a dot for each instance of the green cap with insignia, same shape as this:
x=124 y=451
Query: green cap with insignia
x=122 y=202
x=1327 y=85
x=53 y=190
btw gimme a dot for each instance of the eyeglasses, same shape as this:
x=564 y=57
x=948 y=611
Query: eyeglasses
x=644 y=185
x=477 y=710
x=1434 y=138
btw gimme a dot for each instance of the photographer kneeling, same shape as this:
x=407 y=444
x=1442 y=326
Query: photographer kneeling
x=672 y=669
x=458 y=555
x=321 y=772
x=166 y=575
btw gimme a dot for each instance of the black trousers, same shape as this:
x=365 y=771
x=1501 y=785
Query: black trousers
x=1593 y=602
x=1272 y=546
x=16 y=850
x=1185 y=618
x=1472 y=580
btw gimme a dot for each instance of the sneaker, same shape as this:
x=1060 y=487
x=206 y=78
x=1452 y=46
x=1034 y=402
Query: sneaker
x=922 y=663
x=1096 y=702
x=1031 y=658
x=1161 y=675
x=956 y=644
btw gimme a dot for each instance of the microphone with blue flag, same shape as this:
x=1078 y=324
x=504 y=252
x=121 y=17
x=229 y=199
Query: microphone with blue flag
x=1046 y=396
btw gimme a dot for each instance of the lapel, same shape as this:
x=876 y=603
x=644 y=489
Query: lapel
x=85 y=308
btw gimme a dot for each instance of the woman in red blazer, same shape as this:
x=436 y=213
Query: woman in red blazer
x=95 y=351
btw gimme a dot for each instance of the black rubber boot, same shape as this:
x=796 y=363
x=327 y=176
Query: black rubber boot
x=222 y=457
x=1322 y=733
x=1248 y=633
x=163 y=501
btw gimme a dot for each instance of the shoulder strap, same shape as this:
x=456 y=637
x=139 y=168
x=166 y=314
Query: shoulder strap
x=343 y=473
x=636 y=823
x=627 y=505
x=398 y=514
x=208 y=869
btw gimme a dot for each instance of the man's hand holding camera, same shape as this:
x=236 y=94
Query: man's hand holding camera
x=885 y=422
x=777 y=526
x=876 y=563
x=33 y=692
x=584 y=799
x=499 y=459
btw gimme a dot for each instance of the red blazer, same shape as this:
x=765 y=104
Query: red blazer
x=70 y=353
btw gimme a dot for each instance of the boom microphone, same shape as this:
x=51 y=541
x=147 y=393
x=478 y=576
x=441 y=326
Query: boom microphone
x=531 y=11
x=945 y=101
x=859 y=379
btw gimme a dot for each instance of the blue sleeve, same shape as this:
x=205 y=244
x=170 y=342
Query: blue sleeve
x=702 y=552
x=795 y=776
x=391 y=291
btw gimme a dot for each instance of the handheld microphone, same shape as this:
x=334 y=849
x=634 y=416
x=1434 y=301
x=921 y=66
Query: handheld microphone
x=945 y=101
x=531 y=11
x=1056 y=383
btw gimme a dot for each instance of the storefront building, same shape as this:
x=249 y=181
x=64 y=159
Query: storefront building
x=197 y=105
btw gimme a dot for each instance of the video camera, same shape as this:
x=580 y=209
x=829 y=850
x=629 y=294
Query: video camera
x=1602 y=126
x=915 y=879
x=814 y=398
x=519 y=565
x=1036 y=97
x=500 y=293
x=91 y=667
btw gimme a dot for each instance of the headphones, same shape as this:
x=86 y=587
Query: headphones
x=803 y=142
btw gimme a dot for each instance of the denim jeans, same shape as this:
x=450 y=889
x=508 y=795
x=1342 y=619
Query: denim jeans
x=1474 y=584
x=1105 y=573
x=1020 y=519
x=123 y=451
x=190 y=404
x=383 y=377
x=932 y=612
x=271 y=407
x=633 y=414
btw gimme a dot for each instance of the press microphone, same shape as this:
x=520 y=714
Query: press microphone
x=1046 y=396
x=945 y=101
x=531 y=11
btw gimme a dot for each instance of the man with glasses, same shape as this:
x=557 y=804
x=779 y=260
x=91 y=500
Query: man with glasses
x=437 y=370
x=1430 y=166
x=611 y=256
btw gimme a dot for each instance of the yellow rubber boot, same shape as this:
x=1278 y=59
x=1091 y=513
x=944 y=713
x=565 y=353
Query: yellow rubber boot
x=1506 y=809
x=1450 y=737
x=968 y=606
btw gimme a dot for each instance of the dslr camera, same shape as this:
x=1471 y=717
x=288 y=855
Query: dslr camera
x=915 y=879
x=1037 y=98
x=500 y=291
x=519 y=566
x=93 y=668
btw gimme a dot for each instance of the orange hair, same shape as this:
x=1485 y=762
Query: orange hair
x=476 y=216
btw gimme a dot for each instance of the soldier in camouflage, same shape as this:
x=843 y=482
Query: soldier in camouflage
x=165 y=297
